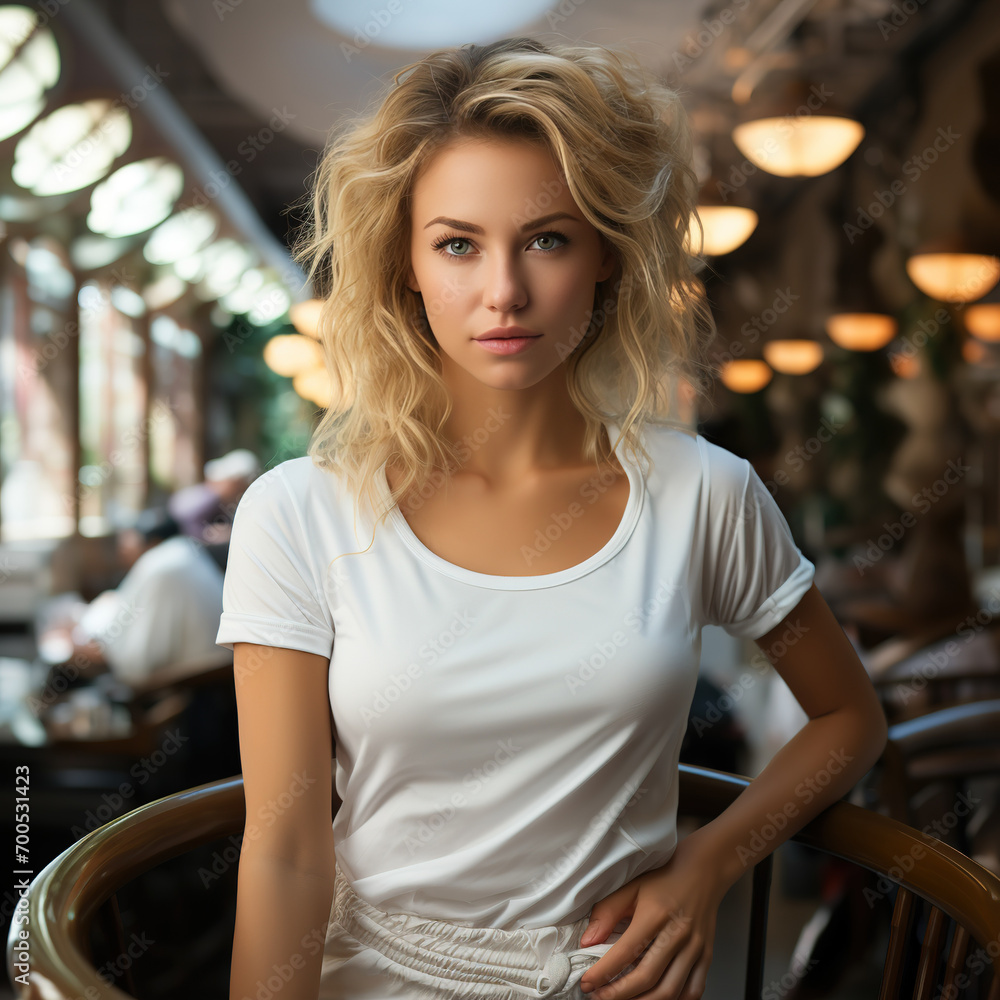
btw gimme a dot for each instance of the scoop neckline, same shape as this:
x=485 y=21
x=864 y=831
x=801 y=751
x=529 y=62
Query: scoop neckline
x=500 y=582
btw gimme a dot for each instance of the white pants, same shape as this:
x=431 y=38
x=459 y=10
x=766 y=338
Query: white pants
x=373 y=955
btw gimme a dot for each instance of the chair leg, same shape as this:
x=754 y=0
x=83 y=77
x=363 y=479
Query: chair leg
x=112 y=917
x=759 y=898
x=994 y=993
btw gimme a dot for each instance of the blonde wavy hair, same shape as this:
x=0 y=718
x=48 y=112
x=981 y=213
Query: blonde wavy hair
x=623 y=142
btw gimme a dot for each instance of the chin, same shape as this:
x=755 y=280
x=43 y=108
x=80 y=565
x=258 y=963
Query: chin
x=510 y=383
x=500 y=373
x=511 y=379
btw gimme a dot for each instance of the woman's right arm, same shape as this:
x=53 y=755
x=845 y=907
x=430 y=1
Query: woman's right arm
x=286 y=871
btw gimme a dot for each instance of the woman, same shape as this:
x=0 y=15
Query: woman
x=496 y=560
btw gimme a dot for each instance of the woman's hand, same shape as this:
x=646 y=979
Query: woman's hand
x=673 y=911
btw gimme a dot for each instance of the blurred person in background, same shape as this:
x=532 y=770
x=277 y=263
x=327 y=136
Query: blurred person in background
x=205 y=510
x=164 y=613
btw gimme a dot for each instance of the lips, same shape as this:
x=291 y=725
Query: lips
x=506 y=333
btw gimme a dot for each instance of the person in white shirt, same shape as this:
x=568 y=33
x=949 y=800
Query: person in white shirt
x=508 y=653
x=163 y=617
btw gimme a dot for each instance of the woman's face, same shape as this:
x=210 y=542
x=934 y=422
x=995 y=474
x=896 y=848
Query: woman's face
x=499 y=261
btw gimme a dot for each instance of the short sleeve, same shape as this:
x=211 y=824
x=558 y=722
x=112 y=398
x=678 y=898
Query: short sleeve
x=753 y=572
x=271 y=595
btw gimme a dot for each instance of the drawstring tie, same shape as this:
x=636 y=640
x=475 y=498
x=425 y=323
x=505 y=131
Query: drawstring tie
x=471 y=963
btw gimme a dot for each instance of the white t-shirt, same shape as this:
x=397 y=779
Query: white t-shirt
x=507 y=746
x=164 y=614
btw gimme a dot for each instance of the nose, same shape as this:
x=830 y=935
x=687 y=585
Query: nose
x=504 y=286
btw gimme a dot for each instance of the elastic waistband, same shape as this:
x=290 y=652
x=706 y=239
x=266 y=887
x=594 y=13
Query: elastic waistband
x=485 y=963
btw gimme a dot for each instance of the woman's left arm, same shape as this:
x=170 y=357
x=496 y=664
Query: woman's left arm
x=673 y=908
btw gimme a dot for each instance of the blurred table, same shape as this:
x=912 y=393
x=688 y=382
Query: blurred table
x=34 y=713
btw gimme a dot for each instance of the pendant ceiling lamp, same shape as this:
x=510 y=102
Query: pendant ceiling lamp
x=859 y=319
x=793 y=357
x=305 y=317
x=861 y=331
x=314 y=384
x=724 y=226
x=287 y=354
x=797 y=132
x=746 y=375
x=954 y=269
x=982 y=320
x=300 y=358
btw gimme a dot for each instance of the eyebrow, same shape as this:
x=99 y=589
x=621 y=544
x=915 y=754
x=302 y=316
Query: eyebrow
x=470 y=227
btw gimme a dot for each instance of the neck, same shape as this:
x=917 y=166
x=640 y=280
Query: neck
x=508 y=434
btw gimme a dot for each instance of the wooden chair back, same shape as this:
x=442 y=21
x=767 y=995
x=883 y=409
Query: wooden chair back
x=66 y=895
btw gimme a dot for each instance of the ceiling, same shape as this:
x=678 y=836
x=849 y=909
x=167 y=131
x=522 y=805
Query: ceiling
x=234 y=66
x=250 y=92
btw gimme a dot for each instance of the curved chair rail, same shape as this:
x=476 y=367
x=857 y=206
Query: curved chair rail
x=875 y=842
x=947 y=727
x=63 y=898
x=947 y=745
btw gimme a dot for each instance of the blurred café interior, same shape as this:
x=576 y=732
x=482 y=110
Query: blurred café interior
x=158 y=352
